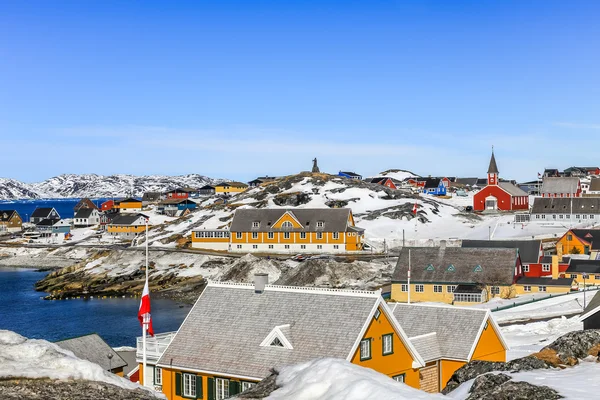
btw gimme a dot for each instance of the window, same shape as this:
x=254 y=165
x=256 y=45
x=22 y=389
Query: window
x=573 y=276
x=239 y=246
x=320 y=224
x=450 y=288
x=419 y=288
x=437 y=288
x=377 y=314
x=527 y=288
x=404 y=287
x=496 y=290
x=525 y=268
x=238 y=235
x=255 y=246
x=577 y=216
x=597 y=277
x=541 y=288
x=388 y=344
x=546 y=267
x=276 y=343
x=467 y=297
x=336 y=235
x=189 y=385
x=270 y=246
x=478 y=269
x=157 y=376
x=303 y=246
x=399 y=378
x=271 y=235
x=430 y=268
x=247 y=385
x=451 y=268
x=335 y=246
x=254 y=235
x=319 y=235
x=287 y=246
x=365 y=349
x=286 y=235
x=222 y=386
x=302 y=235
x=255 y=224
x=287 y=225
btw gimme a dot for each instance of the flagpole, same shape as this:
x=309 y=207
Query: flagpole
x=145 y=317
x=408 y=276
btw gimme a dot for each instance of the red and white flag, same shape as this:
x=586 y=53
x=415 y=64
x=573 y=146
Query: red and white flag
x=414 y=210
x=145 y=309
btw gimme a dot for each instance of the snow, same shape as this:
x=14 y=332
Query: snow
x=335 y=379
x=398 y=174
x=33 y=358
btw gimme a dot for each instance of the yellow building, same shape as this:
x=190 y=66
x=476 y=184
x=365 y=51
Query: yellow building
x=236 y=333
x=129 y=205
x=127 y=226
x=553 y=284
x=449 y=337
x=230 y=187
x=292 y=231
x=10 y=221
x=455 y=275
x=584 y=272
x=579 y=241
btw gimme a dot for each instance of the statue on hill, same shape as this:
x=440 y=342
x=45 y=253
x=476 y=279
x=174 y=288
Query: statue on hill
x=315 y=168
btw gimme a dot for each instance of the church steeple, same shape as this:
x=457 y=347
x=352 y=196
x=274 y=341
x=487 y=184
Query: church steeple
x=493 y=170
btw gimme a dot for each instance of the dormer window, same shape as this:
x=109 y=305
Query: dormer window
x=255 y=224
x=276 y=343
x=320 y=224
x=287 y=225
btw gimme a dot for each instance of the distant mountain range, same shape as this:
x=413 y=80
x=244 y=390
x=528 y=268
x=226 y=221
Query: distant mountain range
x=92 y=185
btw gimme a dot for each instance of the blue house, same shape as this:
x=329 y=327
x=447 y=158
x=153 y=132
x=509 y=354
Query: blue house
x=61 y=226
x=350 y=175
x=435 y=186
x=176 y=207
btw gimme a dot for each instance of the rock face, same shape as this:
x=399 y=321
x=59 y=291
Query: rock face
x=502 y=387
x=46 y=389
x=263 y=389
x=476 y=368
x=569 y=348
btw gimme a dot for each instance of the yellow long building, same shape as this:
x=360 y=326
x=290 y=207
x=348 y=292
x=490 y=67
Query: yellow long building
x=302 y=230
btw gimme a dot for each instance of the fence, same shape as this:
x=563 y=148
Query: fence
x=534 y=300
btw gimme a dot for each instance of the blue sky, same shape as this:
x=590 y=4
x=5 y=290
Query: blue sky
x=237 y=89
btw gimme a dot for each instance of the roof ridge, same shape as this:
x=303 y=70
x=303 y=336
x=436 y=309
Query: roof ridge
x=442 y=306
x=299 y=289
x=423 y=335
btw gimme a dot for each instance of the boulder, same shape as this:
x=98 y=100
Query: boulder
x=291 y=199
x=502 y=387
x=571 y=347
x=263 y=389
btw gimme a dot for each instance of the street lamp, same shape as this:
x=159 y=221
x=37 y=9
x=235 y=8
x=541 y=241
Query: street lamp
x=110 y=356
x=584 y=275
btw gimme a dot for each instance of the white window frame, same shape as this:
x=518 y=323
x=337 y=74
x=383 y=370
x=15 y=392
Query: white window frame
x=388 y=344
x=320 y=224
x=158 y=376
x=419 y=288
x=247 y=385
x=221 y=388
x=238 y=235
x=286 y=235
x=255 y=224
x=189 y=385
x=495 y=290
x=254 y=235
x=302 y=235
x=404 y=287
x=438 y=288
x=450 y=288
x=525 y=268
x=541 y=288
x=399 y=378
x=527 y=288
x=365 y=349
x=336 y=235
x=319 y=235
x=271 y=235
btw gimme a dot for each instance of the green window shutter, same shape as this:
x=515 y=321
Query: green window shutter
x=211 y=388
x=199 y=391
x=178 y=379
x=234 y=388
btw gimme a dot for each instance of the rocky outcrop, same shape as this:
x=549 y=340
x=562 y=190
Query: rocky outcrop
x=45 y=389
x=502 y=387
x=263 y=389
x=476 y=368
x=291 y=199
x=571 y=347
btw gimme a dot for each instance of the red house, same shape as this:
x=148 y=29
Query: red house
x=385 y=182
x=107 y=205
x=177 y=194
x=503 y=196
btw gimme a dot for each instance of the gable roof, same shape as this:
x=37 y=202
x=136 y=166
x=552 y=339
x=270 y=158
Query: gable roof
x=84 y=203
x=580 y=266
x=349 y=173
x=130 y=200
x=126 y=219
x=335 y=219
x=439 y=331
x=84 y=212
x=151 y=196
x=432 y=183
x=589 y=235
x=8 y=213
x=594 y=185
x=564 y=185
x=562 y=205
x=223 y=332
x=233 y=183
x=430 y=264
x=529 y=250
x=493 y=168
x=466 y=181
x=93 y=348
x=42 y=212
x=592 y=308
x=545 y=281
x=206 y=187
x=512 y=189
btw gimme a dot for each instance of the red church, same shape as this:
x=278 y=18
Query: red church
x=503 y=196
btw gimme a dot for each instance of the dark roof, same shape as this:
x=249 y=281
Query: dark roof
x=469 y=288
x=434 y=264
x=126 y=219
x=8 y=214
x=46 y=222
x=562 y=205
x=206 y=187
x=563 y=185
x=432 y=183
x=481 y=181
x=231 y=184
x=84 y=203
x=466 y=181
x=529 y=250
x=580 y=266
x=545 y=281
x=335 y=219
x=592 y=308
x=84 y=212
x=493 y=168
x=595 y=185
x=94 y=349
x=349 y=173
x=548 y=260
x=151 y=196
x=512 y=189
x=41 y=212
x=589 y=235
x=129 y=200
x=177 y=201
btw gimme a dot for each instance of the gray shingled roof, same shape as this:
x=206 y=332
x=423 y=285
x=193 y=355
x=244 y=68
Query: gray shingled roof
x=545 y=281
x=456 y=328
x=497 y=264
x=493 y=168
x=226 y=326
x=84 y=212
x=428 y=346
x=595 y=185
x=529 y=250
x=551 y=185
x=41 y=212
x=579 y=266
x=592 y=308
x=562 y=205
x=512 y=189
x=336 y=219
x=94 y=349
x=126 y=219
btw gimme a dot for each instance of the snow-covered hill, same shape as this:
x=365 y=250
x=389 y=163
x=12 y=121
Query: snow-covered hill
x=92 y=185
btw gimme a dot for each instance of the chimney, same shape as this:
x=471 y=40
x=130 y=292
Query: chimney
x=442 y=244
x=559 y=249
x=554 y=267
x=260 y=281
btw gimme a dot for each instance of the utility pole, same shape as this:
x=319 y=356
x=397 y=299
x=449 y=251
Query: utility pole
x=584 y=275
